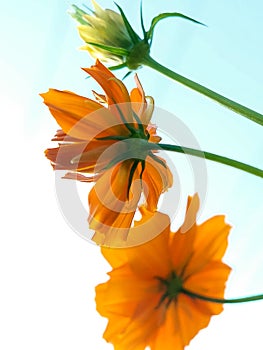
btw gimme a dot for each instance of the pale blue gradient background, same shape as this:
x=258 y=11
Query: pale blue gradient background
x=48 y=273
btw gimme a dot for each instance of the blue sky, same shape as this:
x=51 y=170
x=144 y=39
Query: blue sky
x=50 y=272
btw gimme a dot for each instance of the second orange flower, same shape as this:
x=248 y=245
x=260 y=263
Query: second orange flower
x=109 y=142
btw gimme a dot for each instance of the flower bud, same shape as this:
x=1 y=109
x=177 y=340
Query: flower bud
x=103 y=28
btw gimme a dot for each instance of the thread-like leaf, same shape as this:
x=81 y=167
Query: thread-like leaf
x=142 y=24
x=158 y=18
x=134 y=37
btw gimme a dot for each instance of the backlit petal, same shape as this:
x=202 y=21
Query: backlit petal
x=167 y=336
x=81 y=117
x=110 y=208
x=210 y=243
x=157 y=179
x=88 y=154
x=210 y=280
x=115 y=90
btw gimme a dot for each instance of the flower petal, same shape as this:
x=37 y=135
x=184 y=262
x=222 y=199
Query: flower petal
x=115 y=90
x=137 y=97
x=167 y=335
x=157 y=179
x=209 y=281
x=210 y=243
x=191 y=313
x=125 y=300
x=182 y=242
x=110 y=208
x=142 y=105
x=88 y=155
x=76 y=115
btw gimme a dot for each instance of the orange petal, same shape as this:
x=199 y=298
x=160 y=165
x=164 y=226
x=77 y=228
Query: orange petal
x=125 y=287
x=192 y=250
x=137 y=94
x=80 y=177
x=115 y=90
x=76 y=115
x=147 y=114
x=181 y=248
x=191 y=316
x=157 y=179
x=151 y=225
x=61 y=136
x=184 y=319
x=137 y=97
x=193 y=204
x=143 y=323
x=153 y=264
x=153 y=228
x=209 y=281
x=99 y=68
x=130 y=304
x=88 y=155
x=117 y=95
x=210 y=243
x=167 y=336
x=141 y=104
x=110 y=209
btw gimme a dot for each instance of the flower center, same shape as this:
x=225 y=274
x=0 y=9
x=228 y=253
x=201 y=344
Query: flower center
x=171 y=286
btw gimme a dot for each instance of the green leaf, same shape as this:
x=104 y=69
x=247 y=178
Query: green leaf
x=114 y=50
x=134 y=37
x=158 y=18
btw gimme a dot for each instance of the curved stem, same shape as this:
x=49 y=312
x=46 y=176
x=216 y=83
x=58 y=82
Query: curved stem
x=119 y=66
x=222 y=301
x=234 y=106
x=211 y=156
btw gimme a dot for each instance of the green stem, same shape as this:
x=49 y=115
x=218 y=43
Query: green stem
x=119 y=66
x=234 y=106
x=222 y=301
x=211 y=156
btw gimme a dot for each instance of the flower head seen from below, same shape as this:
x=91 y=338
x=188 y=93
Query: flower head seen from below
x=146 y=300
x=109 y=142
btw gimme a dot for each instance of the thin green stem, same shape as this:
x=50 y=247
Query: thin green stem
x=221 y=301
x=119 y=66
x=211 y=156
x=234 y=106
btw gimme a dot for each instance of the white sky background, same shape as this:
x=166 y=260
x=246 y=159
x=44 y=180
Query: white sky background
x=48 y=272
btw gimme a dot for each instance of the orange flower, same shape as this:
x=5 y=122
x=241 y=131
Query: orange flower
x=109 y=141
x=145 y=299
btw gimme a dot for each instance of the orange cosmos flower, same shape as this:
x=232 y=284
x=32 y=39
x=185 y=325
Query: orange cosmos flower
x=145 y=299
x=108 y=141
